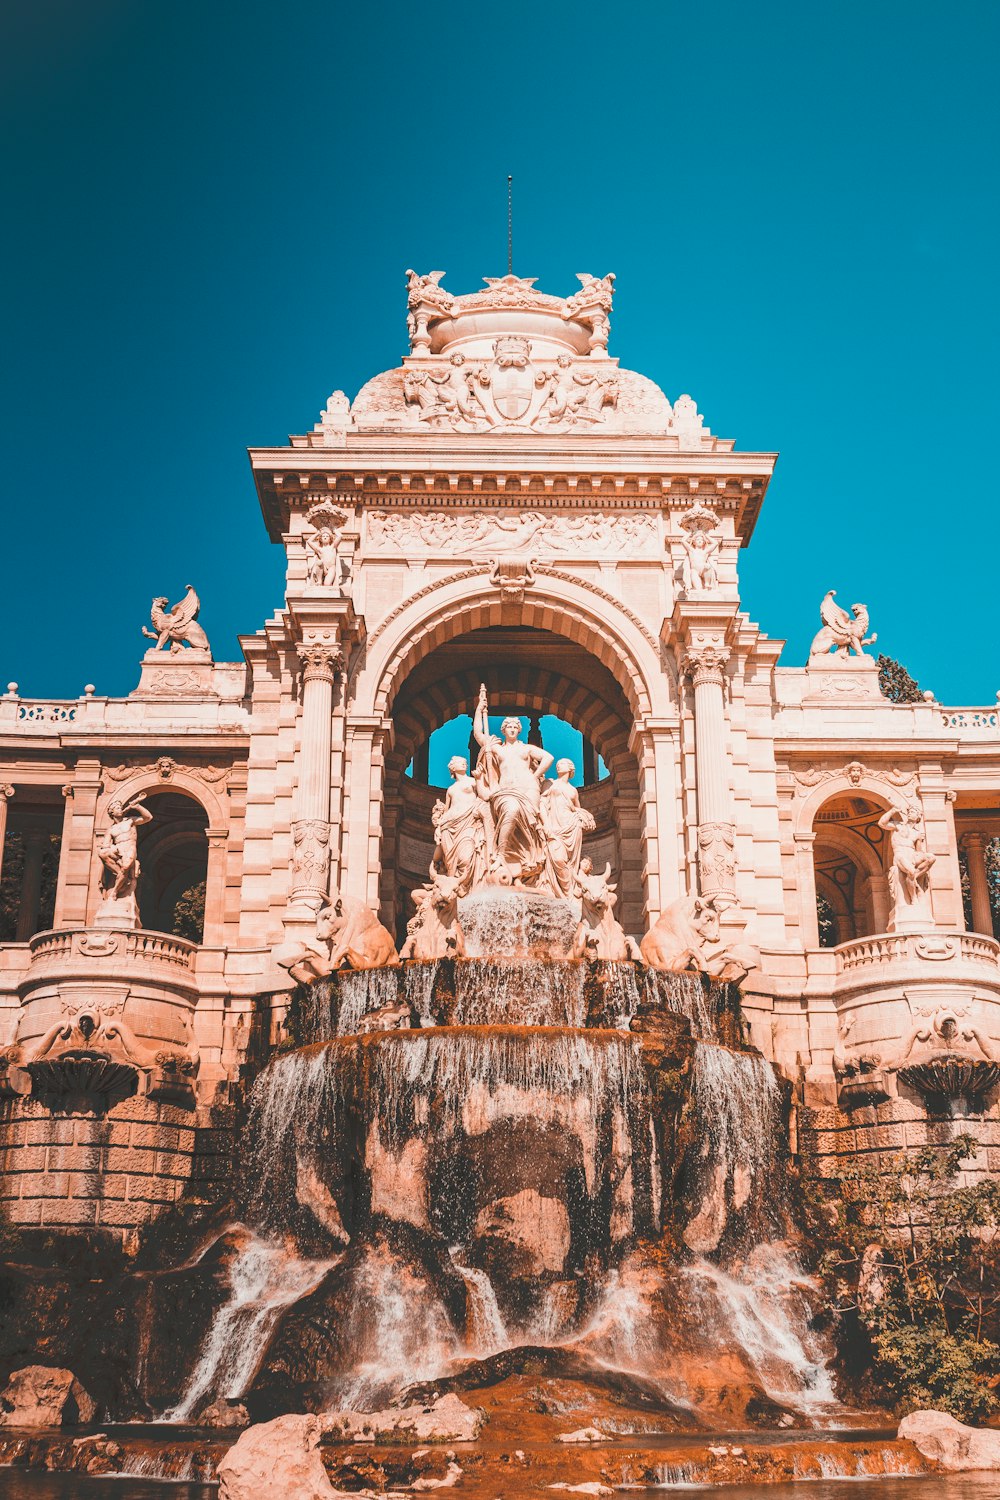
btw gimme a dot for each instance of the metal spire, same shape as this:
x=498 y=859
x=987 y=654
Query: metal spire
x=510 y=224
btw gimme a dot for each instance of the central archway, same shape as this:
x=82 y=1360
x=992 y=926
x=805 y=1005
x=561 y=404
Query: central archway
x=568 y=649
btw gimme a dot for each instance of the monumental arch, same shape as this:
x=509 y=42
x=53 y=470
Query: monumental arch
x=509 y=507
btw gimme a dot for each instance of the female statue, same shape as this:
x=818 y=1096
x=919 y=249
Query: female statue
x=565 y=823
x=511 y=775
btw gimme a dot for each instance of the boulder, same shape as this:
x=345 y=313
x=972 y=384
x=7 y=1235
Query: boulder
x=37 y=1396
x=276 y=1458
x=447 y=1420
x=582 y=1435
x=223 y=1413
x=950 y=1444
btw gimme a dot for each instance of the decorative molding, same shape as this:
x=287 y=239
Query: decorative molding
x=705 y=661
x=717 y=858
x=322 y=661
x=311 y=853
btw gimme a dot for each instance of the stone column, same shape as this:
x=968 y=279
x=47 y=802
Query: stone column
x=311 y=822
x=215 y=887
x=36 y=841
x=974 y=845
x=705 y=665
x=6 y=792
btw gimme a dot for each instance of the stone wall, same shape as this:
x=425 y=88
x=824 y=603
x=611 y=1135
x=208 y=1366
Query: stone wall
x=113 y=1172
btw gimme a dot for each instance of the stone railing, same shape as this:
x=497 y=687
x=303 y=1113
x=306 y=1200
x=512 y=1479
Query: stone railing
x=970 y=718
x=908 y=947
x=124 y=947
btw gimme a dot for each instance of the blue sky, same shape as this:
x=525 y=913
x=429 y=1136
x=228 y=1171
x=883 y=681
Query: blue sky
x=209 y=209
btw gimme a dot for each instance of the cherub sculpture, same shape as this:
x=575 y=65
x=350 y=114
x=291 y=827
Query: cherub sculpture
x=701 y=543
x=178 y=626
x=325 y=566
x=840 y=632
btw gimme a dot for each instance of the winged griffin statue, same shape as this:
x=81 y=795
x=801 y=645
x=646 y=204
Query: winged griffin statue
x=841 y=631
x=178 y=626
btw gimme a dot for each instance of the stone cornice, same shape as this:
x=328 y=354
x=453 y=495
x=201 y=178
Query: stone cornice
x=627 y=474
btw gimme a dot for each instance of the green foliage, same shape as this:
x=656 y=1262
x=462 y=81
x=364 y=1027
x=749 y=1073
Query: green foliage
x=189 y=913
x=12 y=880
x=895 y=682
x=911 y=1271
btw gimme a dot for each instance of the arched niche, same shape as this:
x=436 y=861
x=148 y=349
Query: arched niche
x=850 y=854
x=566 y=649
x=173 y=860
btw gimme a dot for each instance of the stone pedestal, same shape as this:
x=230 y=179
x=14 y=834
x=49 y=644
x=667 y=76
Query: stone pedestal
x=121 y=914
x=842 y=678
x=189 y=673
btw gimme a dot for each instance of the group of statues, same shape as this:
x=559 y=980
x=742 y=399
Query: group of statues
x=509 y=825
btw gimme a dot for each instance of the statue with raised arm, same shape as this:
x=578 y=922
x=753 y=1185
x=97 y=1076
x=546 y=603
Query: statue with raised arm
x=179 y=626
x=510 y=776
x=909 y=873
x=841 y=632
x=701 y=543
x=119 y=851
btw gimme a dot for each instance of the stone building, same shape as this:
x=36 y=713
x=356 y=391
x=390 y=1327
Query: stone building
x=508 y=506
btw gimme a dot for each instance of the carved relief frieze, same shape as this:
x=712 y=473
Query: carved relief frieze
x=490 y=532
x=854 y=772
x=167 y=768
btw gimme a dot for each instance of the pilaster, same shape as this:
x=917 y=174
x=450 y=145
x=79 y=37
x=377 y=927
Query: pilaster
x=701 y=634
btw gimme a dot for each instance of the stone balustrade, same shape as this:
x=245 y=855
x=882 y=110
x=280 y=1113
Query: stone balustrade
x=883 y=949
x=124 y=948
x=972 y=720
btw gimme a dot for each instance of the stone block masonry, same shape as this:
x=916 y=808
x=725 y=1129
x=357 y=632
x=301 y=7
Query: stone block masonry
x=114 y=1172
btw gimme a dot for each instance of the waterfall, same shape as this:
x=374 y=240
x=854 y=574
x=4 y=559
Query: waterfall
x=528 y=993
x=300 y=1096
x=362 y=991
x=418 y=987
x=685 y=994
x=486 y=1331
x=264 y=1278
x=737 y=1107
x=763 y=1306
x=294 y=1095
x=398 y=1332
x=502 y=923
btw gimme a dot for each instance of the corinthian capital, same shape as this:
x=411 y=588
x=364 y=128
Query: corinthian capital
x=705 y=661
x=321 y=660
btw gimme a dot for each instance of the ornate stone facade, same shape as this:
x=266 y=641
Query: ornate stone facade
x=507 y=506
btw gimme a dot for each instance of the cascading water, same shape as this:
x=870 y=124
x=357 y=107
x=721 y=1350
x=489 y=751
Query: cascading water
x=264 y=1278
x=500 y=923
x=764 y=1305
x=497 y=1182
x=537 y=993
x=736 y=1105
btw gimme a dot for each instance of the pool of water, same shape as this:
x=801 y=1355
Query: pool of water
x=16 y=1484
x=937 y=1487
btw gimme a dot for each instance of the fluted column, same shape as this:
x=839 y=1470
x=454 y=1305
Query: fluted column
x=974 y=845
x=705 y=664
x=6 y=791
x=311 y=822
